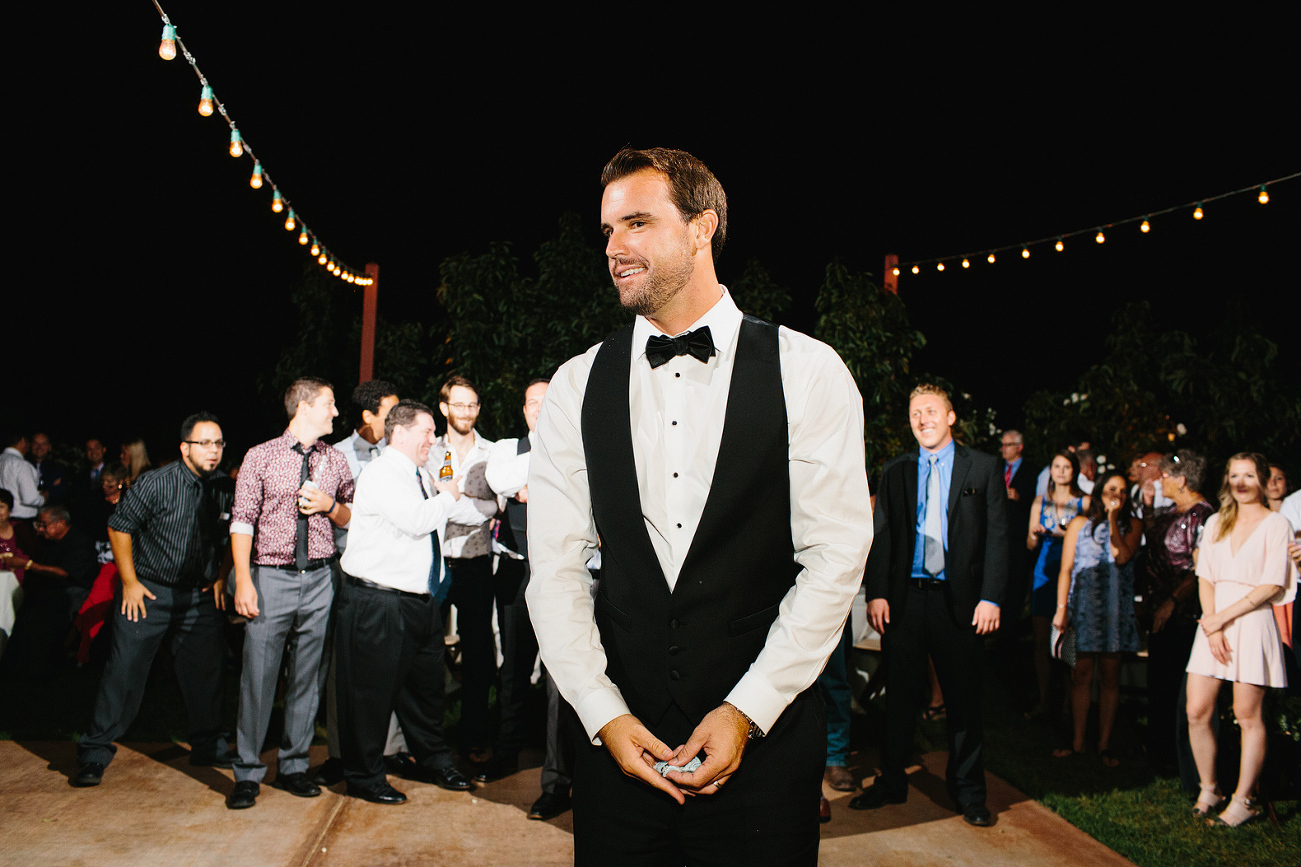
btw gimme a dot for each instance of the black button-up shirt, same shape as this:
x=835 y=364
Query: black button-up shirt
x=178 y=523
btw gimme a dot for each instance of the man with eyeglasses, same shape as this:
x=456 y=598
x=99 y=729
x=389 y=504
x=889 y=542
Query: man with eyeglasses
x=469 y=558
x=168 y=536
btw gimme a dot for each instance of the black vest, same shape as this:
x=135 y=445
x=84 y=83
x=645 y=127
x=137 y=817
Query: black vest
x=692 y=646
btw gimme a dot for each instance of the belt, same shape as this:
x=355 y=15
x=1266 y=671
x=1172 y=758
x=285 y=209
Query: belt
x=927 y=583
x=371 y=585
x=318 y=563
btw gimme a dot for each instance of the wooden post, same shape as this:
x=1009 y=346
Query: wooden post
x=888 y=278
x=368 y=305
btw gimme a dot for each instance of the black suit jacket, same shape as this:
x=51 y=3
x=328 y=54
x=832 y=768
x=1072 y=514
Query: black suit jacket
x=976 y=563
x=1018 y=511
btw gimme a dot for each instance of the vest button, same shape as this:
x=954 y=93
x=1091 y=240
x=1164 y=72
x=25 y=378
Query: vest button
x=673 y=624
x=673 y=651
x=674 y=675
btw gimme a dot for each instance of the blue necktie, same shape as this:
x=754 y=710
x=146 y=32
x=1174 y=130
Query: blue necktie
x=933 y=558
x=438 y=589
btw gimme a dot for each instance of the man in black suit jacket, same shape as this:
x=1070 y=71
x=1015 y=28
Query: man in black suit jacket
x=935 y=580
x=1020 y=480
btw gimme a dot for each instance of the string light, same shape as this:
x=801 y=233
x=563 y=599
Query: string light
x=1197 y=212
x=991 y=258
x=277 y=203
x=236 y=143
x=939 y=266
x=894 y=271
x=205 y=101
x=289 y=221
x=1025 y=252
x=316 y=249
x=1145 y=227
x=302 y=237
x=916 y=270
x=1263 y=198
x=1100 y=238
x=322 y=259
x=167 y=46
x=1059 y=246
x=256 y=181
x=966 y=263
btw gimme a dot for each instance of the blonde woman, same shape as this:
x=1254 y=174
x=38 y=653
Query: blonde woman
x=1242 y=566
x=136 y=460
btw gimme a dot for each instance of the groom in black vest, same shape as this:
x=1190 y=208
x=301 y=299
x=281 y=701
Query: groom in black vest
x=719 y=462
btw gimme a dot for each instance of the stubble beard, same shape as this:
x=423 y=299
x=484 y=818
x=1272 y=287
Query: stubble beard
x=661 y=284
x=461 y=426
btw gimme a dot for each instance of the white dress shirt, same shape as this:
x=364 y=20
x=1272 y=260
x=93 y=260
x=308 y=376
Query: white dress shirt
x=20 y=478
x=391 y=521
x=508 y=472
x=486 y=508
x=677 y=413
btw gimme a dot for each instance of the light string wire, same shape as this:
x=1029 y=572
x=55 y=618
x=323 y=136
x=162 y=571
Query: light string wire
x=1060 y=237
x=324 y=257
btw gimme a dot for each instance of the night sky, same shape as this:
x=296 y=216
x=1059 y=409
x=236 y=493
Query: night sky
x=151 y=280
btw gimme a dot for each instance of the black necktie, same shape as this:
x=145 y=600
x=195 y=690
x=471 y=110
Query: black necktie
x=699 y=344
x=300 y=543
x=437 y=589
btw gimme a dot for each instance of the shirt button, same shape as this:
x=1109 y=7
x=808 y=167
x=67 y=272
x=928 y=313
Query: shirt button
x=673 y=651
x=677 y=376
x=675 y=475
x=674 y=675
x=673 y=624
x=675 y=423
x=679 y=526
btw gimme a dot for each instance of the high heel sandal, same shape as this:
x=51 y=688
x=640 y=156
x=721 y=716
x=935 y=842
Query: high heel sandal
x=1208 y=800
x=1238 y=813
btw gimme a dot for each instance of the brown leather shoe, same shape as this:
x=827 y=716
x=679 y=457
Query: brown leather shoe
x=824 y=811
x=840 y=778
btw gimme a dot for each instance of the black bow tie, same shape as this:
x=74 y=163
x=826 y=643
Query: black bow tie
x=698 y=344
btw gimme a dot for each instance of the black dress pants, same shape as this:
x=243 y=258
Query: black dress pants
x=189 y=621
x=473 y=593
x=389 y=652
x=519 y=650
x=767 y=813
x=926 y=626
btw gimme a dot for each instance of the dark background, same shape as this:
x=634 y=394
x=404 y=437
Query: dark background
x=148 y=280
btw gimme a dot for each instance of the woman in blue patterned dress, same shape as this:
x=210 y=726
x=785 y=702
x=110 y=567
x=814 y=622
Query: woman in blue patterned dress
x=1049 y=517
x=1095 y=595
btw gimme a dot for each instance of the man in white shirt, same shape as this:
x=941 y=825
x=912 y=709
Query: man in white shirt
x=389 y=645
x=469 y=558
x=20 y=478
x=724 y=468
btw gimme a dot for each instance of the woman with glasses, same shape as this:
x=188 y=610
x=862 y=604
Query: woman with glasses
x=1095 y=596
x=1050 y=515
x=1242 y=567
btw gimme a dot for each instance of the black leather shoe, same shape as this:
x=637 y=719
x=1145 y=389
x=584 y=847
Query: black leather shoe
x=380 y=793
x=445 y=778
x=978 y=815
x=401 y=765
x=89 y=774
x=876 y=796
x=496 y=768
x=329 y=773
x=244 y=795
x=296 y=784
x=824 y=811
x=224 y=760
x=550 y=805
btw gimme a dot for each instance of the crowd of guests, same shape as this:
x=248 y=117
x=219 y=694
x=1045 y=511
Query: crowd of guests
x=1101 y=562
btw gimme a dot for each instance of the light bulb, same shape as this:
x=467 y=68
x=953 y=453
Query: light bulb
x=322 y=258
x=916 y=270
x=1263 y=198
x=302 y=237
x=350 y=278
x=205 y=101
x=1025 y=252
x=316 y=249
x=1145 y=227
x=894 y=271
x=1197 y=213
x=277 y=204
x=256 y=181
x=966 y=263
x=939 y=266
x=990 y=258
x=289 y=221
x=167 y=47
x=236 y=144
x=1059 y=246
x=1100 y=237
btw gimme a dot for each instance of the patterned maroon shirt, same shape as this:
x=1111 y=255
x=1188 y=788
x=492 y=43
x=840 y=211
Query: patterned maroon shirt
x=266 y=498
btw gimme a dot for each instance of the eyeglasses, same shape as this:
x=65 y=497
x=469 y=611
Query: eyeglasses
x=463 y=407
x=207 y=444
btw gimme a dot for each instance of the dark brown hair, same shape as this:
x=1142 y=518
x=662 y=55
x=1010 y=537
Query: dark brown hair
x=303 y=390
x=693 y=189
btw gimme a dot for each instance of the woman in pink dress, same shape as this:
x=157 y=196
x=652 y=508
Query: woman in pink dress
x=1242 y=566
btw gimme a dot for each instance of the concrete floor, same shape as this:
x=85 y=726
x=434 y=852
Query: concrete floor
x=153 y=808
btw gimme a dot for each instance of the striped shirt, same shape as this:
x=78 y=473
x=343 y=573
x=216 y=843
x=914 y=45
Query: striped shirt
x=177 y=523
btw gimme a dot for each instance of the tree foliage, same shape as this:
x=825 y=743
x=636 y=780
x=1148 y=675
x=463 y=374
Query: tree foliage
x=1157 y=389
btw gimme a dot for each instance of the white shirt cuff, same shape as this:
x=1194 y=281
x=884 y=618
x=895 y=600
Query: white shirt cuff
x=241 y=528
x=755 y=698
x=598 y=708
